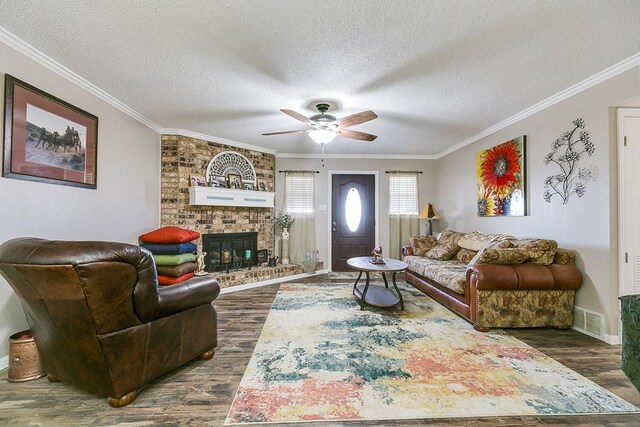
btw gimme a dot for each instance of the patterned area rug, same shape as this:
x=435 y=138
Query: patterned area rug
x=342 y=275
x=319 y=358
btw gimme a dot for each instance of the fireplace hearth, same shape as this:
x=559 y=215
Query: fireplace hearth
x=237 y=244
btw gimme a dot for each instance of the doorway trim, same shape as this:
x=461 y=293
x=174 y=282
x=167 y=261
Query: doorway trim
x=621 y=113
x=329 y=209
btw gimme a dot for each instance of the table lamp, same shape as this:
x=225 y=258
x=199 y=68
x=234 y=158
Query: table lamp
x=428 y=212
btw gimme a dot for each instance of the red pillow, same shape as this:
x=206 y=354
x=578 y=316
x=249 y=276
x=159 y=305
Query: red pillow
x=170 y=234
x=168 y=280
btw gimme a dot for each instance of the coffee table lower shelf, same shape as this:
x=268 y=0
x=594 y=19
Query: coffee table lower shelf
x=377 y=296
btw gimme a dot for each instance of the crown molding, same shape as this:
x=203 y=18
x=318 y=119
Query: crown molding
x=587 y=83
x=34 y=54
x=357 y=156
x=46 y=61
x=211 y=138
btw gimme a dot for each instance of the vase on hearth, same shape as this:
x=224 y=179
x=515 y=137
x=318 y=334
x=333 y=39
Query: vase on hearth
x=285 y=246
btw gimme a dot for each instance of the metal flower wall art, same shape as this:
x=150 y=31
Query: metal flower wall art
x=500 y=173
x=566 y=151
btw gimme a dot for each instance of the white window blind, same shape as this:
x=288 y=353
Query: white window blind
x=299 y=193
x=403 y=194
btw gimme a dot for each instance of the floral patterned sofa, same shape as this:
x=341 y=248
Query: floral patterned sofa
x=496 y=281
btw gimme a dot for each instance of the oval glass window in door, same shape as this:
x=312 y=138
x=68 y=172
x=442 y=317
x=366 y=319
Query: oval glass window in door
x=353 y=209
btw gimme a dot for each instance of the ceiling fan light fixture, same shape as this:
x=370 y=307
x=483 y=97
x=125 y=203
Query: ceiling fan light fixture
x=322 y=136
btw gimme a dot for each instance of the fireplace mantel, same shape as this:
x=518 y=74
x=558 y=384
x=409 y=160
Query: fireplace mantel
x=212 y=196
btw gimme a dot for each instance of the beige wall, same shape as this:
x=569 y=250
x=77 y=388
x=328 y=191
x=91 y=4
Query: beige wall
x=583 y=224
x=125 y=204
x=426 y=189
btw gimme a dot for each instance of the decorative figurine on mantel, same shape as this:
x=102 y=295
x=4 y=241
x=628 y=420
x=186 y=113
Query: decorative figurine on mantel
x=376 y=256
x=200 y=264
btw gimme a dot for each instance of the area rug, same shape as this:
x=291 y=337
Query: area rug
x=342 y=275
x=320 y=358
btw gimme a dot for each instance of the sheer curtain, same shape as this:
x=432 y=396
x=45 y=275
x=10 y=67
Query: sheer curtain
x=299 y=203
x=403 y=210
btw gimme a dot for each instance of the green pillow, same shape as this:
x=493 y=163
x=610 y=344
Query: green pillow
x=174 y=259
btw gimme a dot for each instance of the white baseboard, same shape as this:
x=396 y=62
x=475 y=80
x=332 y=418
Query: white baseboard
x=269 y=282
x=4 y=363
x=609 y=339
x=612 y=339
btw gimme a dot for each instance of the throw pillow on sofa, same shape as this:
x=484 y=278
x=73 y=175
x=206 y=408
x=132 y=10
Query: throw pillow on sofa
x=422 y=244
x=477 y=240
x=447 y=245
x=501 y=244
x=465 y=255
x=443 y=251
x=501 y=256
x=539 y=251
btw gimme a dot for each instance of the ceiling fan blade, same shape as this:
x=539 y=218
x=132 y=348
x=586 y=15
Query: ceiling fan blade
x=285 y=132
x=354 y=134
x=356 y=119
x=298 y=116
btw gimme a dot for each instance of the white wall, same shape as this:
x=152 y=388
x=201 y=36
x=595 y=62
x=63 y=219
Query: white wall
x=583 y=224
x=426 y=189
x=125 y=204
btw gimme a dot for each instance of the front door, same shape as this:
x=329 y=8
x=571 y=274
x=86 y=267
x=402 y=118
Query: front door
x=352 y=218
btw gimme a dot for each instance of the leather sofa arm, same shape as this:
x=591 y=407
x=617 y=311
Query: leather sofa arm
x=523 y=277
x=185 y=295
x=407 y=250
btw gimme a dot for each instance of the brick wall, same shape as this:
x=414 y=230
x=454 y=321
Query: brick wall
x=183 y=156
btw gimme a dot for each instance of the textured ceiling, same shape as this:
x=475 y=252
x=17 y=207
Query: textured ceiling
x=436 y=72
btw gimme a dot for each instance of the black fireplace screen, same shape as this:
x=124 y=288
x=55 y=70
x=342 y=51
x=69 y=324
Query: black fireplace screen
x=239 y=245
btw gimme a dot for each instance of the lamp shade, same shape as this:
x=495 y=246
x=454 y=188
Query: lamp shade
x=428 y=212
x=322 y=136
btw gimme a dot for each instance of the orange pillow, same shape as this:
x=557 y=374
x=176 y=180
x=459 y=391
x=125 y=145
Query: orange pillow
x=168 y=280
x=170 y=234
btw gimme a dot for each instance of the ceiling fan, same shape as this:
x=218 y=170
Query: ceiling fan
x=325 y=127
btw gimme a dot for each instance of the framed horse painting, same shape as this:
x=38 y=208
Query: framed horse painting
x=47 y=139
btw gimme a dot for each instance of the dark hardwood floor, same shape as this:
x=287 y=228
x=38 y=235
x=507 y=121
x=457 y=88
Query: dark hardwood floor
x=200 y=393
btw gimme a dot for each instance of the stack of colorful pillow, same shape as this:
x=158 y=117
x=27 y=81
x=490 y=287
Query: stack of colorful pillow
x=173 y=251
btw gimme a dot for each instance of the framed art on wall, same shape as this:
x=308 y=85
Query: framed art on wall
x=234 y=180
x=219 y=181
x=500 y=173
x=197 y=181
x=47 y=139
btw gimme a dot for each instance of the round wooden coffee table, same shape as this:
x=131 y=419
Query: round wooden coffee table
x=377 y=296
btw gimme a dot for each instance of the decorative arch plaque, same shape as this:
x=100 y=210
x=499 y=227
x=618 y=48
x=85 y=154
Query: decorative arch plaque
x=231 y=162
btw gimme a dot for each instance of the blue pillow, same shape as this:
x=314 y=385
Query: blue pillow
x=170 y=248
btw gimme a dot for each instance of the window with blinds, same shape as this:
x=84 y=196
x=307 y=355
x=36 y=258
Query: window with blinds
x=299 y=193
x=403 y=194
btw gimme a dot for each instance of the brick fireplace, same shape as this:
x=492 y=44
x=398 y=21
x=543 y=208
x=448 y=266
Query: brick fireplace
x=185 y=156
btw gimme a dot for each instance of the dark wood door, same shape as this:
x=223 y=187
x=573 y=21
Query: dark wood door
x=352 y=218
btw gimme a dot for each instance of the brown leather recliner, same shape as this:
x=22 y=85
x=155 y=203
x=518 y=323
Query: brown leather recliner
x=99 y=318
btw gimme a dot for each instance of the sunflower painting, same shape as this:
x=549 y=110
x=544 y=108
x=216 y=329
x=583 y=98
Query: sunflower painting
x=500 y=177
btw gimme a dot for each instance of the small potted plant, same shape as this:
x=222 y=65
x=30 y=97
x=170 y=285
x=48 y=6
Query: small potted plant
x=283 y=220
